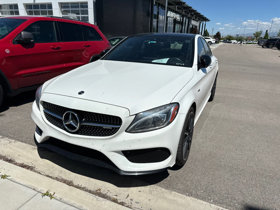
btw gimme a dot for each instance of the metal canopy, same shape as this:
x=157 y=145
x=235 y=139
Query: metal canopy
x=182 y=8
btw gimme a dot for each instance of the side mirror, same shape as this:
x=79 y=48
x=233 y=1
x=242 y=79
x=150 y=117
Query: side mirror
x=204 y=61
x=25 y=38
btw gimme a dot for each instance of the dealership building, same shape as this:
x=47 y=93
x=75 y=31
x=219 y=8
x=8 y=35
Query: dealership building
x=116 y=17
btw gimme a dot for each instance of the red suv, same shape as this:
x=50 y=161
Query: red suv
x=35 y=49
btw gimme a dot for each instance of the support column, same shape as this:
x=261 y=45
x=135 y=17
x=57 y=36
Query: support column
x=21 y=9
x=165 y=16
x=91 y=11
x=204 y=28
x=56 y=9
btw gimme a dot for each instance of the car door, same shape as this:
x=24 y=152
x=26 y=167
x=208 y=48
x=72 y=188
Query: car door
x=203 y=77
x=93 y=45
x=72 y=45
x=36 y=62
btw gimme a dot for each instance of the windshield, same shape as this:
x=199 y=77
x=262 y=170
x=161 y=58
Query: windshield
x=175 y=50
x=8 y=24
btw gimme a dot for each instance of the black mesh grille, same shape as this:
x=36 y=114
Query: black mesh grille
x=88 y=117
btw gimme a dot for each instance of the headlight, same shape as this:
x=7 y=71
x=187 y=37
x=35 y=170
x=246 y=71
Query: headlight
x=38 y=96
x=154 y=119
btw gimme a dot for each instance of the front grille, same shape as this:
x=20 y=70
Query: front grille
x=91 y=124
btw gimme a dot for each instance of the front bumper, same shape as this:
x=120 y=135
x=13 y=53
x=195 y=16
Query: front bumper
x=113 y=146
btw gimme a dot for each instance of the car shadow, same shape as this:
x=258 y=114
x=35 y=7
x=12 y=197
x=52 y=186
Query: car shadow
x=18 y=100
x=251 y=207
x=84 y=167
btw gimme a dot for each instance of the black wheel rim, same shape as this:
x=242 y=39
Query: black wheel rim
x=188 y=133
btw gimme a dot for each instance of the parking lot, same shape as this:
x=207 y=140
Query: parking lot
x=234 y=161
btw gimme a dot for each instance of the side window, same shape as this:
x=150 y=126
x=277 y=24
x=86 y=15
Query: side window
x=90 y=34
x=43 y=31
x=70 y=32
x=200 y=48
x=207 y=48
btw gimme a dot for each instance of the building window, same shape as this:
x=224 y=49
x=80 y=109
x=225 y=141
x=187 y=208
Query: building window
x=39 y=9
x=77 y=11
x=9 y=9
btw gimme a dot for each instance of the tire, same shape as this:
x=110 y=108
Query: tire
x=213 y=90
x=185 y=142
x=209 y=43
x=1 y=95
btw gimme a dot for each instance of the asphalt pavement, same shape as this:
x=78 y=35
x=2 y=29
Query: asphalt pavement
x=234 y=160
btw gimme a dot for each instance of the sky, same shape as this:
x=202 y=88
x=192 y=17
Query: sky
x=243 y=17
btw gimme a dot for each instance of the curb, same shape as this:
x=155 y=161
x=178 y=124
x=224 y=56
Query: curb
x=83 y=191
x=64 y=193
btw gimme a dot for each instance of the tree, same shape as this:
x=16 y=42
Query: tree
x=257 y=34
x=240 y=38
x=218 y=35
x=266 y=35
x=206 y=33
x=278 y=33
x=229 y=37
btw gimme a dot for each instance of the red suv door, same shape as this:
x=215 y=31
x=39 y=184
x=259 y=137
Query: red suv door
x=80 y=43
x=94 y=42
x=72 y=42
x=37 y=62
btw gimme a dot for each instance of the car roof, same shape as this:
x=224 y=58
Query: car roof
x=48 y=18
x=166 y=34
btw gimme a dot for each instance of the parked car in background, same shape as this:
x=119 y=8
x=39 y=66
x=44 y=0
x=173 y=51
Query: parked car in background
x=234 y=42
x=227 y=41
x=136 y=107
x=278 y=45
x=35 y=49
x=210 y=40
x=261 y=42
x=270 y=43
x=115 y=40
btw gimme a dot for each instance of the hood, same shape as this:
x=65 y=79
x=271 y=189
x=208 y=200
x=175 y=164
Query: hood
x=135 y=86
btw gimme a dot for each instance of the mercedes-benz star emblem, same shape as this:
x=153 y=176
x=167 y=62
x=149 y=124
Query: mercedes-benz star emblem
x=71 y=121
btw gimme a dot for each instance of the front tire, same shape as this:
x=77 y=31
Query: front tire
x=185 y=140
x=209 y=43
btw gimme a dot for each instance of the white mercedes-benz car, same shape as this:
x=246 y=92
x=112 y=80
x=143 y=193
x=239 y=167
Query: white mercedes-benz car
x=135 y=108
x=210 y=40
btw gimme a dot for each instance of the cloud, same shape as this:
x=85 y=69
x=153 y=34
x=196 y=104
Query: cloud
x=221 y=28
x=229 y=25
x=262 y=25
x=276 y=20
x=218 y=24
x=256 y=24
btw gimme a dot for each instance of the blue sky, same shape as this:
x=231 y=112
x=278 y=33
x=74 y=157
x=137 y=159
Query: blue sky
x=239 y=16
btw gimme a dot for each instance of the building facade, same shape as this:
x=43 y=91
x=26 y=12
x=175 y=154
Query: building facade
x=115 y=17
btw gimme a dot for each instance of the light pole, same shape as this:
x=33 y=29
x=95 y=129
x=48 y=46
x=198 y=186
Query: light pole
x=271 y=26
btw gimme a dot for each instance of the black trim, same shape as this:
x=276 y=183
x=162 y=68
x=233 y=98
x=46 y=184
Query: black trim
x=7 y=86
x=21 y=90
x=87 y=155
x=38 y=130
x=151 y=155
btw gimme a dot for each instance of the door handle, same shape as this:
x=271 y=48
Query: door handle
x=55 y=47
x=88 y=45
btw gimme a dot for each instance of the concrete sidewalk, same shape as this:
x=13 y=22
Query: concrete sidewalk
x=24 y=189
x=14 y=195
